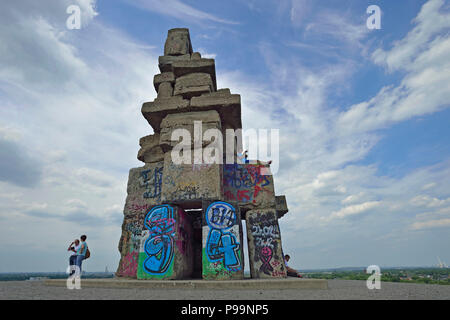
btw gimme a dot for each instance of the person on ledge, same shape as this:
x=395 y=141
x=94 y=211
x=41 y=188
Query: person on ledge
x=290 y=272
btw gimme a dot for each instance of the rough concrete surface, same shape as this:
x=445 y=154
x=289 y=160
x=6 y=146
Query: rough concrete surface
x=338 y=290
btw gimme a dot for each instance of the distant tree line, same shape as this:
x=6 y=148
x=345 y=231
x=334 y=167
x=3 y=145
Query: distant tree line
x=419 y=275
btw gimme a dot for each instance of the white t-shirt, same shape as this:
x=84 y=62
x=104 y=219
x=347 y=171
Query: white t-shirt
x=76 y=250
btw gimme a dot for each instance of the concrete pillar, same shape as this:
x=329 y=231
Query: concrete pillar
x=166 y=247
x=264 y=244
x=129 y=246
x=222 y=249
x=246 y=184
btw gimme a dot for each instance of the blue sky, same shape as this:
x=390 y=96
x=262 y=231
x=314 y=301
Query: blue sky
x=363 y=118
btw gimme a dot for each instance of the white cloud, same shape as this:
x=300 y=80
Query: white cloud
x=430 y=202
x=338 y=27
x=429 y=186
x=77 y=204
x=431 y=224
x=351 y=199
x=71 y=102
x=206 y=54
x=299 y=10
x=179 y=10
x=429 y=22
x=353 y=210
x=425 y=56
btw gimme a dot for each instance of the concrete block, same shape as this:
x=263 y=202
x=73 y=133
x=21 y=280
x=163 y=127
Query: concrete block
x=247 y=284
x=183 y=67
x=178 y=42
x=193 y=84
x=264 y=244
x=165 y=62
x=209 y=120
x=155 y=111
x=150 y=151
x=188 y=184
x=281 y=206
x=144 y=188
x=189 y=92
x=228 y=105
x=223 y=250
x=166 y=247
x=245 y=184
x=196 y=56
x=165 y=90
x=163 y=77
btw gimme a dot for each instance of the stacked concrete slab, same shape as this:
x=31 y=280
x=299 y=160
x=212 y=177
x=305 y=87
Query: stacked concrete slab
x=184 y=220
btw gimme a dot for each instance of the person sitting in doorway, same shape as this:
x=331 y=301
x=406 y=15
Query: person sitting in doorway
x=290 y=272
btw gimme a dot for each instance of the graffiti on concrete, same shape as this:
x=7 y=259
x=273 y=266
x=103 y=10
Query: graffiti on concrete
x=159 y=246
x=151 y=180
x=129 y=248
x=185 y=192
x=266 y=236
x=222 y=245
x=129 y=264
x=134 y=228
x=140 y=207
x=244 y=183
x=183 y=235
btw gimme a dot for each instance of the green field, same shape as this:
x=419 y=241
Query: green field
x=410 y=275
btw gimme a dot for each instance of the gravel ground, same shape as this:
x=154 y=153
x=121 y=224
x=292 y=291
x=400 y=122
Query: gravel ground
x=338 y=289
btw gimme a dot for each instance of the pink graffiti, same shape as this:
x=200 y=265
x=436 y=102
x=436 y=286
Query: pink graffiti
x=140 y=207
x=129 y=265
x=266 y=256
x=278 y=273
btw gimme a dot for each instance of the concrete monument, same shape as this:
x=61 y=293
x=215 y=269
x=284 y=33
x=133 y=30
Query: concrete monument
x=185 y=220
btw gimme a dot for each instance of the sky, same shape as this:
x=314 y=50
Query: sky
x=363 y=114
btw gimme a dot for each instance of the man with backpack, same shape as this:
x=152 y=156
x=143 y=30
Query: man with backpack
x=83 y=252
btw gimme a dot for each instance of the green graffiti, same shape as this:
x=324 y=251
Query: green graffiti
x=141 y=274
x=215 y=270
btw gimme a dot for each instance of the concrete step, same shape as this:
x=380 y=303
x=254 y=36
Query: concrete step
x=246 y=284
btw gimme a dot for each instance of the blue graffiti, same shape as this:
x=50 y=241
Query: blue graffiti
x=152 y=181
x=244 y=176
x=221 y=215
x=159 y=246
x=220 y=245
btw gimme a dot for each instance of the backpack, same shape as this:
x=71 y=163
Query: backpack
x=88 y=254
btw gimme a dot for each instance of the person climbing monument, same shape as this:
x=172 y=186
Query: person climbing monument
x=243 y=156
x=73 y=248
x=291 y=272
